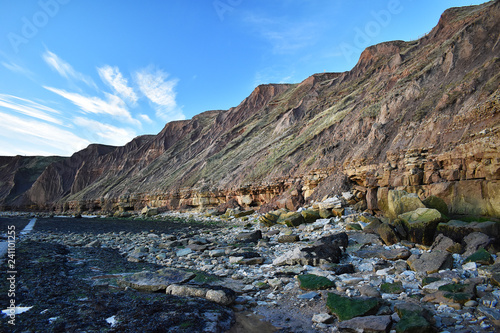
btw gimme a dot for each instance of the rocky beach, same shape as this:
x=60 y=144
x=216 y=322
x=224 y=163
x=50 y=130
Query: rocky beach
x=323 y=268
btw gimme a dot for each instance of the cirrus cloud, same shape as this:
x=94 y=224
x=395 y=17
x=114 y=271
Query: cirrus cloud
x=114 y=79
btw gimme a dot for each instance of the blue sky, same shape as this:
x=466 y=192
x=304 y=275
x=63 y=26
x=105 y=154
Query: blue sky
x=75 y=72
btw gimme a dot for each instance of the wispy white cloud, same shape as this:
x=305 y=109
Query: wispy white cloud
x=37 y=134
x=161 y=92
x=146 y=118
x=65 y=69
x=29 y=108
x=284 y=35
x=107 y=133
x=113 y=106
x=16 y=68
x=114 y=78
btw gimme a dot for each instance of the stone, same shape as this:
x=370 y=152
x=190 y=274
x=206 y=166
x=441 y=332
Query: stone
x=338 y=269
x=288 y=238
x=392 y=288
x=430 y=262
x=481 y=256
x=244 y=213
x=495 y=279
x=291 y=219
x=436 y=203
x=217 y=253
x=370 y=324
x=421 y=224
x=399 y=202
x=369 y=291
x=269 y=219
x=387 y=234
x=183 y=252
x=310 y=295
x=325 y=213
x=492 y=314
x=382 y=253
x=252 y=236
x=155 y=281
x=476 y=241
x=310 y=215
x=323 y=251
x=443 y=243
x=219 y=295
x=314 y=282
x=457 y=230
x=434 y=286
x=346 y=308
x=323 y=318
x=330 y=203
x=148 y=211
x=412 y=319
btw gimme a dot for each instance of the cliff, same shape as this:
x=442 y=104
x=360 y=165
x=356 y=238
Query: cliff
x=420 y=115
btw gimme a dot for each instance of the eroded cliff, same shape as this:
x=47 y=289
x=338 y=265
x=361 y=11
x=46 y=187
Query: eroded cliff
x=420 y=115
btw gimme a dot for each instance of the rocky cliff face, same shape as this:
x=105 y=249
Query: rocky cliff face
x=421 y=116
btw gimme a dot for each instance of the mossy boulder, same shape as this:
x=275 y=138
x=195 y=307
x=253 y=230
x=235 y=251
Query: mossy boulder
x=291 y=219
x=245 y=213
x=436 y=203
x=413 y=319
x=392 y=288
x=314 y=282
x=429 y=279
x=325 y=213
x=353 y=226
x=387 y=233
x=399 y=202
x=310 y=215
x=458 y=293
x=481 y=256
x=269 y=219
x=346 y=308
x=421 y=224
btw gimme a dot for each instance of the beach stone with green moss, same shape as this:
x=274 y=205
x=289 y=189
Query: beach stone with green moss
x=392 y=288
x=291 y=219
x=481 y=256
x=269 y=219
x=436 y=203
x=314 y=282
x=421 y=224
x=310 y=215
x=346 y=308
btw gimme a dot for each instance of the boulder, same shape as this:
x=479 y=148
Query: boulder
x=430 y=262
x=310 y=215
x=220 y=295
x=244 y=213
x=475 y=241
x=457 y=230
x=323 y=251
x=372 y=324
x=421 y=224
x=481 y=256
x=443 y=243
x=399 y=202
x=314 y=282
x=346 y=308
x=288 y=238
x=252 y=236
x=157 y=280
x=291 y=219
x=148 y=211
x=387 y=234
x=269 y=219
x=436 y=203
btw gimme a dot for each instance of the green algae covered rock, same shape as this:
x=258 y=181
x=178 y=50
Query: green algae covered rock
x=310 y=215
x=421 y=224
x=346 y=308
x=291 y=219
x=436 y=203
x=481 y=256
x=314 y=282
x=392 y=288
x=269 y=219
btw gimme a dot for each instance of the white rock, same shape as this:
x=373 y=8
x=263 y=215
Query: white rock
x=470 y=266
x=323 y=318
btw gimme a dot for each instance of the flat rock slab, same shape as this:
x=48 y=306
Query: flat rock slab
x=366 y=324
x=220 y=295
x=430 y=262
x=382 y=253
x=154 y=281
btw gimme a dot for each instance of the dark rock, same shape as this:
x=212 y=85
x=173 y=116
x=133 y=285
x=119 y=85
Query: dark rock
x=288 y=238
x=436 y=203
x=481 y=256
x=392 y=288
x=476 y=241
x=430 y=262
x=154 y=281
x=388 y=235
x=457 y=230
x=346 y=308
x=314 y=282
x=310 y=215
x=443 y=243
x=253 y=236
x=372 y=324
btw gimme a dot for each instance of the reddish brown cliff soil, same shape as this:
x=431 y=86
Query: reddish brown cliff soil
x=420 y=115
